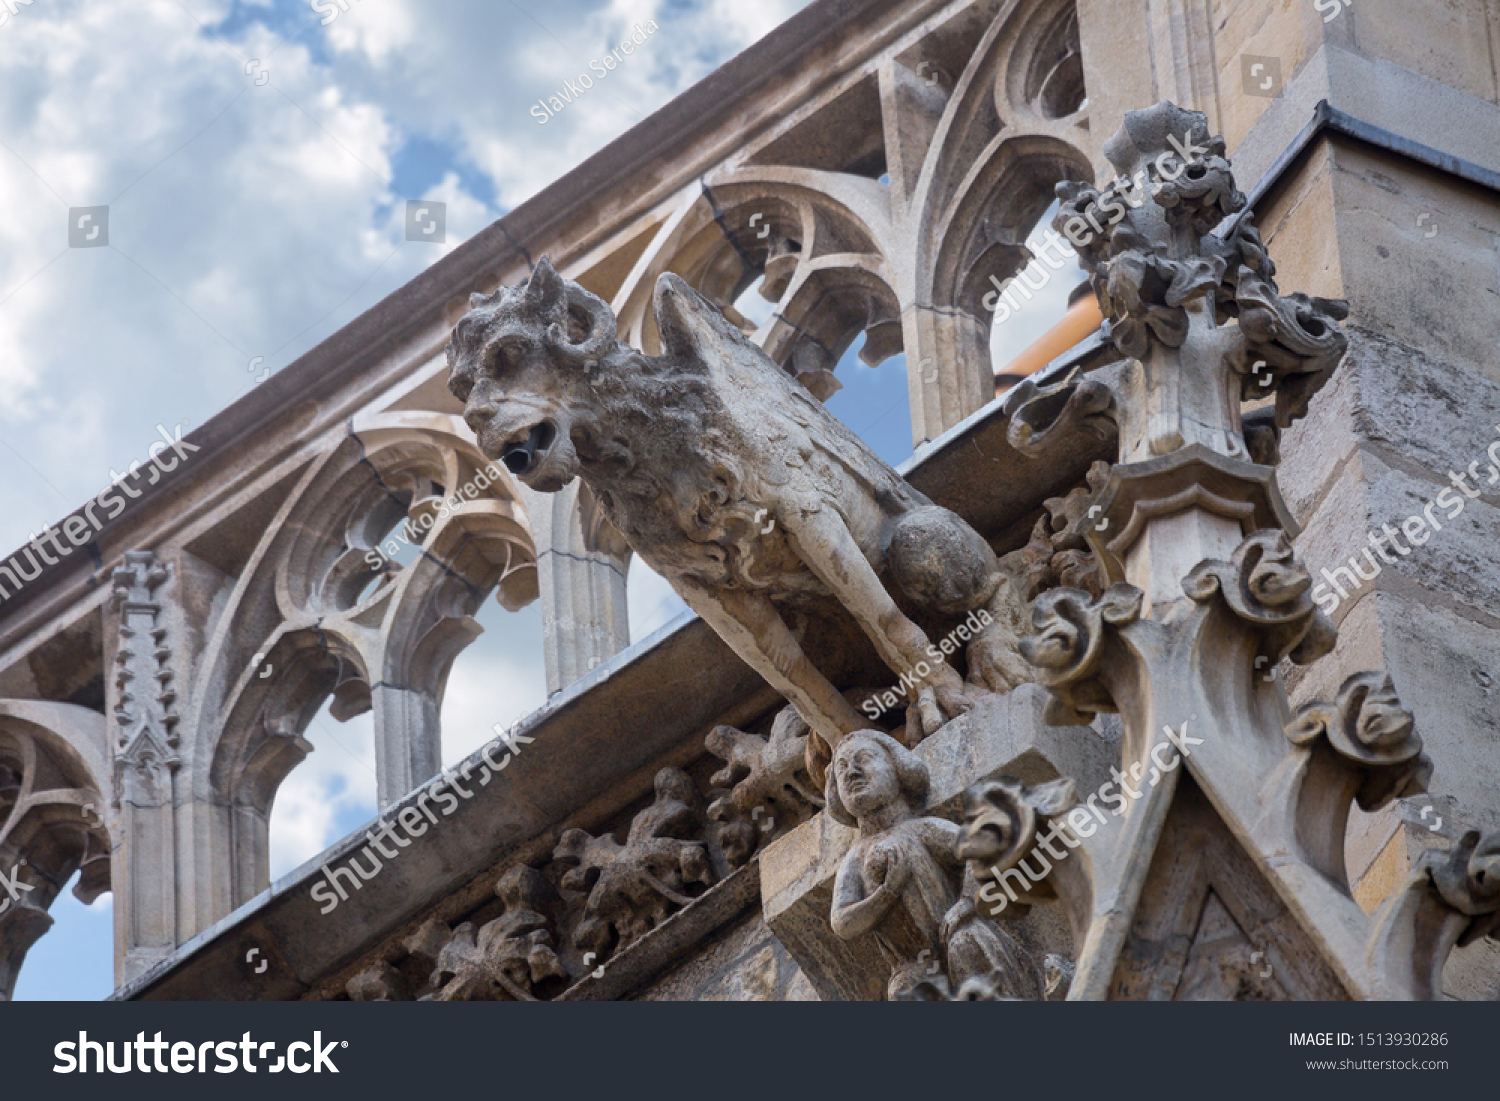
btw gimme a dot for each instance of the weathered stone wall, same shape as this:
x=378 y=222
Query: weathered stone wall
x=746 y=963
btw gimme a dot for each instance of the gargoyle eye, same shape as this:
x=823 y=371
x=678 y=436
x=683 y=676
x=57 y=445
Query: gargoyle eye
x=461 y=386
x=507 y=357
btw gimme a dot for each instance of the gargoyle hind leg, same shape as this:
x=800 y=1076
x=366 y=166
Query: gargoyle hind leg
x=829 y=549
x=753 y=627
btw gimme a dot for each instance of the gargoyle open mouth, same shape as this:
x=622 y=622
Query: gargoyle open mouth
x=526 y=455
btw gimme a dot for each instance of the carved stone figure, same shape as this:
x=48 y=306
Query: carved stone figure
x=725 y=475
x=632 y=888
x=898 y=881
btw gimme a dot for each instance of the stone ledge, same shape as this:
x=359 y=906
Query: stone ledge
x=665 y=946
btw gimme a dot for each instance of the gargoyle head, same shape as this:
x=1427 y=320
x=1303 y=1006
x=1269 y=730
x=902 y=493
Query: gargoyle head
x=520 y=361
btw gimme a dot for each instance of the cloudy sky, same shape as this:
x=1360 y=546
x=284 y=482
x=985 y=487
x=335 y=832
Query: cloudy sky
x=256 y=159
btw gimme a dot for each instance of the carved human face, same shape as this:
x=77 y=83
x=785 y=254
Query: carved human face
x=865 y=775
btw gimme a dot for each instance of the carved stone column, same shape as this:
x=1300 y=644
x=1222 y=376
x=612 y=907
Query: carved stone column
x=146 y=760
x=408 y=740
x=581 y=567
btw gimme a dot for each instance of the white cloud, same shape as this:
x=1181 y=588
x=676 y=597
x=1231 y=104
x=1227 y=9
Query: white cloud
x=332 y=791
x=254 y=220
x=650 y=600
x=500 y=678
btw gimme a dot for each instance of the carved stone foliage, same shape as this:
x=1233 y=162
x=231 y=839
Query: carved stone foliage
x=1368 y=728
x=1002 y=820
x=903 y=883
x=1058 y=554
x=1189 y=295
x=1360 y=749
x=630 y=889
x=1141 y=289
x=1068 y=648
x=1468 y=879
x=1153 y=256
x=765 y=787
x=380 y=982
x=508 y=958
x=1266 y=587
x=569 y=918
x=1450 y=899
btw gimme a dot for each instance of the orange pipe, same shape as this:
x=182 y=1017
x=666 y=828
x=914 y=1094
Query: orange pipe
x=1082 y=319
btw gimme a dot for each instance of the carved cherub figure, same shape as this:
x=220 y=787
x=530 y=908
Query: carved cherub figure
x=900 y=879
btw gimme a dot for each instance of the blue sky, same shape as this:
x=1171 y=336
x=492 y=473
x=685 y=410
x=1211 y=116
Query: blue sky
x=256 y=162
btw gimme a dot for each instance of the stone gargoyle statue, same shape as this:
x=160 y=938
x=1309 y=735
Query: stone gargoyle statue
x=733 y=482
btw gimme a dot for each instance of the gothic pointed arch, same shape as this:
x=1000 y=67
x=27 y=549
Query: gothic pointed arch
x=54 y=821
x=324 y=608
x=1015 y=126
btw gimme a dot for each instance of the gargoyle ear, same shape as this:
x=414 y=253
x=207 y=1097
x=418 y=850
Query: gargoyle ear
x=688 y=322
x=544 y=290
